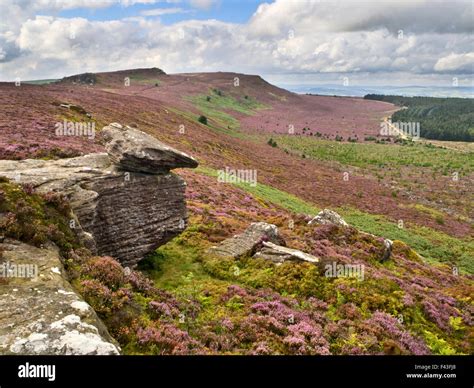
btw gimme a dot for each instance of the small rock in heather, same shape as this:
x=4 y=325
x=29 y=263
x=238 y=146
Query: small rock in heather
x=246 y=243
x=279 y=254
x=327 y=216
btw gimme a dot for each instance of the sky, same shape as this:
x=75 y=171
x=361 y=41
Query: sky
x=290 y=42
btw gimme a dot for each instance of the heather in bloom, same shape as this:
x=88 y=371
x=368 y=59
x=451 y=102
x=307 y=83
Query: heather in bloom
x=107 y=270
x=166 y=339
x=385 y=327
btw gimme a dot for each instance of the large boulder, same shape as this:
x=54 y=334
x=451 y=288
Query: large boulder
x=119 y=213
x=40 y=313
x=134 y=150
x=247 y=243
x=327 y=216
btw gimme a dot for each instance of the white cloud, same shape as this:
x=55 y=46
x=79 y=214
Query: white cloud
x=456 y=62
x=283 y=38
x=163 y=11
x=203 y=4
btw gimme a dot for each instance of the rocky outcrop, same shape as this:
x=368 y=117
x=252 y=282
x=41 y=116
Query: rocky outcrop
x=39 y=311
x=134 y=150
x=247 y=243
x=84 y=78
x=327 y=216
x=262 y=240
x=117 y=212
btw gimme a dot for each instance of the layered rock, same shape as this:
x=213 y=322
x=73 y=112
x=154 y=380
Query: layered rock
x=134 y=150
x=120 y=213
x=261 y=240
x=279 y=254
x=39 y=311
x=247 y=243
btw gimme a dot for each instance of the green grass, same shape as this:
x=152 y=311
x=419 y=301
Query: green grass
x=368 y=155
x=144 y=80
x=177 y=265
x=218 y=128
x=40 y=81
x=218 y=107
x=270 y=194
x=434 y=246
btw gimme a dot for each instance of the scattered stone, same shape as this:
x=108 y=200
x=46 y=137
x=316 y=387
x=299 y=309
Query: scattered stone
x=388 y=249
x=327 y=216
x=279 y=254
x=248 y=242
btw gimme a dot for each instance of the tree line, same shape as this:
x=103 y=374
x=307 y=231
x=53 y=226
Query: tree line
x=440 y=118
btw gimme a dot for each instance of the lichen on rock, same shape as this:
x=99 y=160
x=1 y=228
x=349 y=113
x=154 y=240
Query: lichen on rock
x=43 y=314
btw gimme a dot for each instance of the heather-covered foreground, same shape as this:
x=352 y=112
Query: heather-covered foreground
x=184 y=300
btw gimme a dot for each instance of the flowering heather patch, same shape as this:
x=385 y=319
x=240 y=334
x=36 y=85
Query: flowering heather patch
x=102 y=298
x=140 y=283
x=167 y=339
x=381 y=322
x=34 y=218
x=107 y=270
x=403 y=306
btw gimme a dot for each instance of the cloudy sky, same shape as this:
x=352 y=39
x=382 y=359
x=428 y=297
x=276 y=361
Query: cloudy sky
x=382 y=42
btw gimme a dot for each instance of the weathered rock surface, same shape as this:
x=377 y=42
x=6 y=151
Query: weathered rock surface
x=43 y=314
x=247 y=243
x=327 y=216
x=134 y=150
x=279 y=254
x=261 y=240
x=123 y=214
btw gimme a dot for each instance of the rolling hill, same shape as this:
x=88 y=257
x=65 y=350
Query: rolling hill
x=418 y=195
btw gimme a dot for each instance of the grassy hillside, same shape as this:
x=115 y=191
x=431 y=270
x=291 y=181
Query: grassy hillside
x=184 y=300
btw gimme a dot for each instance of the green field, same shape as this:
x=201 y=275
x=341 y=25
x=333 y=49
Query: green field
x=217 y=106
x=370 y=155
x=40 y=81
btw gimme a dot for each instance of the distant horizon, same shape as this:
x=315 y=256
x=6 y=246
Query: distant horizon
x=326 y=88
